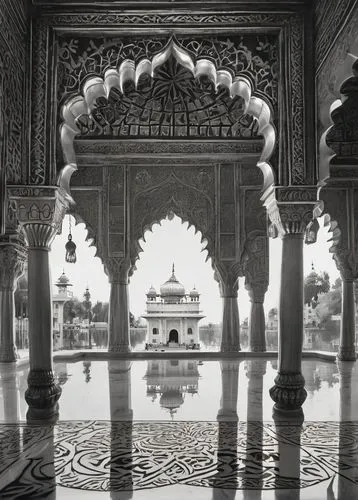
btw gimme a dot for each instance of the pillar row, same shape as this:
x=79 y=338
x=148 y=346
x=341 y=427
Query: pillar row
x=257 y=339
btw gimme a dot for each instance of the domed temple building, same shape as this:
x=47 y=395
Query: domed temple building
x=172 y=315
x=238 y=117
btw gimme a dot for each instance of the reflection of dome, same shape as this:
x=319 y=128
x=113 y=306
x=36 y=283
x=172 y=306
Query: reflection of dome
x=171 y=399
x=172 y=287
x=152 y=292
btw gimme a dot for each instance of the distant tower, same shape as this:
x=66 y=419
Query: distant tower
x=59 y=299
x=173 y=316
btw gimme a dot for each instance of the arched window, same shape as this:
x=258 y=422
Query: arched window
x=190 y=331
x=155 y=331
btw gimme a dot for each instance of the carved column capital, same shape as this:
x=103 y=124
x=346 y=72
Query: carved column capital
x=12 y=260
x=227 y=274
x=40 y=212
x=117 y=269
x=295 y=218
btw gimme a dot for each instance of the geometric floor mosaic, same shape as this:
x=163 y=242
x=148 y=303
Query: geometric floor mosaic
x=114 y=456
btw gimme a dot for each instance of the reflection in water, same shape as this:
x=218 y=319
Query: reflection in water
x=227 y=460
x=121 y=459
x=172 y=379
x=255 y=370
x=120 y=456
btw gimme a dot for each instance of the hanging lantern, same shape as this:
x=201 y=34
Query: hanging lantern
x=70 y=248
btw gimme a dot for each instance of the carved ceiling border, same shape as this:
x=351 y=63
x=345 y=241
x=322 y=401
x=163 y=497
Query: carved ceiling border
x=42 y=150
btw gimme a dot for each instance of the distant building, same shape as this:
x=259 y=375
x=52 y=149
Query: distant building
x=59 y=299
x=172 y=315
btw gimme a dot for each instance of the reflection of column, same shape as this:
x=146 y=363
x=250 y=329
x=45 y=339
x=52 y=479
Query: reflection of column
x=230 y=384
x=230 y=340
x=226 y=475
x=119 y=340
x=347 y=449
x=38 y=455
x=289 y=453
x=347 y=351
x=10 y=391
x=121 y=480
x=12 y=259
x=256 y=369
x=288 y=392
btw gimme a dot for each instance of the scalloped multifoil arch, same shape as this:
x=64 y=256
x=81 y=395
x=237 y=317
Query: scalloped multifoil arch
x=96 y=87
x=326 y=155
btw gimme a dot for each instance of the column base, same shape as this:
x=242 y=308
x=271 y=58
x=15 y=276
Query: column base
x=8 y=354
x=346 y=353
x=258 y=348
x=289 y=392
x=230 y=348
x=119 y=348
x=227 y=416
x=42 y=396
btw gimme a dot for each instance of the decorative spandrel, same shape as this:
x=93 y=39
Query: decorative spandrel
x=252 y=54
x=172 y=104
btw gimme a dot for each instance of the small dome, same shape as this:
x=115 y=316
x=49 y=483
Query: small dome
x=194 y=292
x=172 y=287
x=152 y=292
x=63 y=278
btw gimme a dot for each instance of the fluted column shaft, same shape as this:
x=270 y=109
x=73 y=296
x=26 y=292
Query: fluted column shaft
x=12 y=259
x=347 y=350
x=289 y=392
x=230 y=341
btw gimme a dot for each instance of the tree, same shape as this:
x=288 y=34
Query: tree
x=314 y=285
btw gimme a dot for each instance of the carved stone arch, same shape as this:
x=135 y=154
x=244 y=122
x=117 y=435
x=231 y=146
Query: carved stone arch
x=173 y=195
x=99 y=87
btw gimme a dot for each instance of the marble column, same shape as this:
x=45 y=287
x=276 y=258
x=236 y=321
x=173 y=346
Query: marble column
x=119 y=331
x=257 y=340
x=347 y=349
x=289 y=393
x=43 y=393
x=230 y=341
x=12 y=258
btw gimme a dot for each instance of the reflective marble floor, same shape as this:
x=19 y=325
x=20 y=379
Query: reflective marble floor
x=181 y=428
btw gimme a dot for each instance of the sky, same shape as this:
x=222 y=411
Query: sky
x=168 y=243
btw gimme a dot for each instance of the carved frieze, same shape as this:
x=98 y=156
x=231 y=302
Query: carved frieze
x=254 y=55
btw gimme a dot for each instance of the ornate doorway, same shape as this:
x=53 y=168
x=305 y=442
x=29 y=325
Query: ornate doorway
x=174 y=336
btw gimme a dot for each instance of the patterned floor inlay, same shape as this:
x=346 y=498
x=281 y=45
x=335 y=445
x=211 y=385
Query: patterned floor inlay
x=104 y=456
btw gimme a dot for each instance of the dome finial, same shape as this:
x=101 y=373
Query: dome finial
x=173 y=268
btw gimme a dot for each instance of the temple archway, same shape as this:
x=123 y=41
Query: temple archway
x=173 y=336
